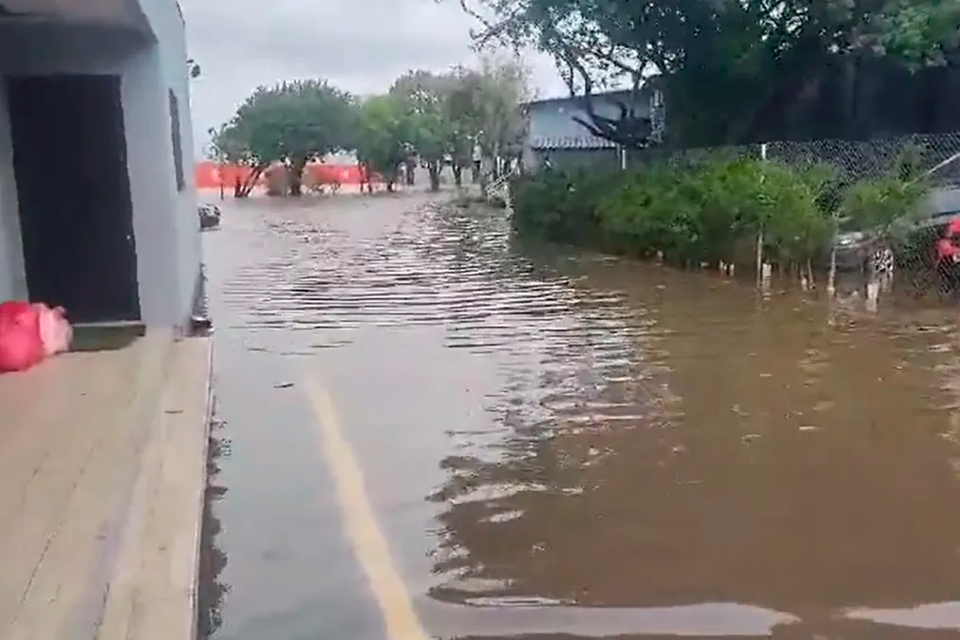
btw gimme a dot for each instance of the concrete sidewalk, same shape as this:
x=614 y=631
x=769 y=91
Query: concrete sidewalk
x=103 y=468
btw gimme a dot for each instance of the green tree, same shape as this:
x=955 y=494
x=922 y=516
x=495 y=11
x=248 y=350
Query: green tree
x=484 y=110
x=230 y=144
x=384 y=136
x=707 y=210
x=291 y=122
x=887 y=205
x=464 y=117
x=452 y=112
x=426 y=96
x=725 y=64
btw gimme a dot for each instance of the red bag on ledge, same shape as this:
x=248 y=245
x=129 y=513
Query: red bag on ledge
x=21 y=345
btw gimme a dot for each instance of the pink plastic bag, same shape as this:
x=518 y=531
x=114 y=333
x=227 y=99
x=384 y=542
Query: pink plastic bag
x=21 y=346
x=31 y=332
x=55 y=331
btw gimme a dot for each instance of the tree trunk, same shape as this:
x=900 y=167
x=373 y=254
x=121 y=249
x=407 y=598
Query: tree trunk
x=247 y=185
x=434 y=169
x=458 y=175
x=850 y=94
x=411 y=169
x=295 y=173
x=832 y=276
x=393 y=176
x=759 y=256
x=483 y=178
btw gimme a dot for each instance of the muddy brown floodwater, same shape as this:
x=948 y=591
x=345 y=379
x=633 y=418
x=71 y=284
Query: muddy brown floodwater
x=563 y=445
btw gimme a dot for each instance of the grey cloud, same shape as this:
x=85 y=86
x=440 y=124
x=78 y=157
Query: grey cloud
x=359 y=45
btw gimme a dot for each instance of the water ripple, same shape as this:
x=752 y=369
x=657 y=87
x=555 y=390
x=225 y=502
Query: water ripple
x=649 y=443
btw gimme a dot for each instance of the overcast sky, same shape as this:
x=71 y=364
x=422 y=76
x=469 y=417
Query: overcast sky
x=359 y=45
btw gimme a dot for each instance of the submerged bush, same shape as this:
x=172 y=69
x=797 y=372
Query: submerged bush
x=693 y=213
x=887 y=205
x=559 y=206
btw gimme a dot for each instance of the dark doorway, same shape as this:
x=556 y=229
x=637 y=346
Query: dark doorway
x=76 y=216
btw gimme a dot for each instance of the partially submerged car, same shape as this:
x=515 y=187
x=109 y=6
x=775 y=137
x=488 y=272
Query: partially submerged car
x=209 y=216
x=943 y=207
x=853 y=248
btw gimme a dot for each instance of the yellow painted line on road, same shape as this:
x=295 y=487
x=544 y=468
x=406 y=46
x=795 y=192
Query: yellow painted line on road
x=369 y=544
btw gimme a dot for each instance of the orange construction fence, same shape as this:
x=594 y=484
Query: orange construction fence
x=210 y=175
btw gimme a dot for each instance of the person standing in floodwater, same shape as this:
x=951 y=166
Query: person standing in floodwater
x=477 y=163
x=365 y=178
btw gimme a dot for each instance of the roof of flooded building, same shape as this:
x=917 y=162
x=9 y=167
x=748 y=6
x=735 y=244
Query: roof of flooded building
x=602 y=95
x=585 y=142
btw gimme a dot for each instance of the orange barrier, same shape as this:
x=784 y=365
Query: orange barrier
x=210 y=175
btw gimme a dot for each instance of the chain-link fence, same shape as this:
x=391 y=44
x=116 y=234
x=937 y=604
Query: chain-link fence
x=914 y=256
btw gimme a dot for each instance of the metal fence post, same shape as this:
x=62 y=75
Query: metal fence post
x=762 y=275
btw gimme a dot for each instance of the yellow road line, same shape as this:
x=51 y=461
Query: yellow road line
x=369 y=544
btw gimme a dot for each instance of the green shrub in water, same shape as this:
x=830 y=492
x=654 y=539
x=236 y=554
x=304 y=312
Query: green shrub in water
x=695 y=213
x=888 y=205
x=559 y=206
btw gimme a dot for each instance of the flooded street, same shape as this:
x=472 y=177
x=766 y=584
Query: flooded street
x=559 y=445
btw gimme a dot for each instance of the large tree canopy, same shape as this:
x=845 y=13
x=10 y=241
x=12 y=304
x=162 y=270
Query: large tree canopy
x=424 y=97
x=491 y=95
x=448 y=114
x=483 y=108
x=723 y=63
x=384 y=136
x=291 y=122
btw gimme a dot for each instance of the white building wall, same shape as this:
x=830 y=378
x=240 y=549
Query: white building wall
x=167 y=25
x=156 y=215
x=165 y=221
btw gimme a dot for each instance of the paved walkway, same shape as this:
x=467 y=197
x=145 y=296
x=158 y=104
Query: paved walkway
x=102 y=470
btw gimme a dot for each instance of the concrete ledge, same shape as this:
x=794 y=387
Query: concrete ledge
x=71 y=440
x=103 y=462
x=152 y=595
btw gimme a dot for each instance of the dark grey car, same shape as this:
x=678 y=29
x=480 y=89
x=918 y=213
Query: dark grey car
x=853 y=248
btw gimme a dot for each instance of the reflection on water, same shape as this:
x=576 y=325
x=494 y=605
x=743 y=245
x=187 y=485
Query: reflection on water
x=654 y=452
x=211 y=591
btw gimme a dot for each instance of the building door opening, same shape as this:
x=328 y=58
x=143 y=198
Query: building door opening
x=76 y=215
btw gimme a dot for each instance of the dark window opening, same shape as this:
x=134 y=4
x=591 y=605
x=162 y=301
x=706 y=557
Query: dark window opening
x=177 y=142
